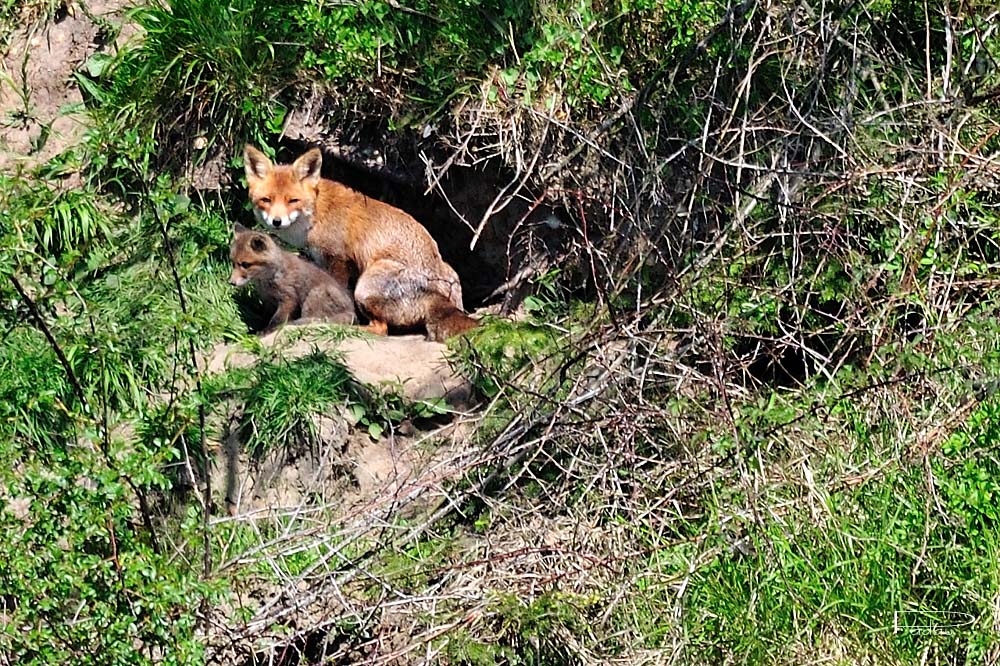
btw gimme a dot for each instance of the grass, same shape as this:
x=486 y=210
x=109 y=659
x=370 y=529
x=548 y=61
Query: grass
x=834 y=542
x=33 y=395
x=17 y=13
x=872 y=572
x=234 y=57
x=850 y=518
x=284 y=399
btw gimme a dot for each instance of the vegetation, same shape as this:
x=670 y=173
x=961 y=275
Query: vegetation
x=747 y=411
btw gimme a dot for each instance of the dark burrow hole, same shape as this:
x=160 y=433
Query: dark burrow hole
x=313 y=647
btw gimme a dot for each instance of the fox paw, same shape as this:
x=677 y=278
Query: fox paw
x=376 y=327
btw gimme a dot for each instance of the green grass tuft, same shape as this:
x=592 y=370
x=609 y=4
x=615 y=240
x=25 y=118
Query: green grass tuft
x=205 y=70
x=284 y=398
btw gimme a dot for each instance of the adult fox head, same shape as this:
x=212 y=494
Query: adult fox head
x=254 y=256
x=283 y=194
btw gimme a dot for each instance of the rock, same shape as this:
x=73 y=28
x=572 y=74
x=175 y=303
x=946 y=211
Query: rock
x=417 y=366
x=420 y=366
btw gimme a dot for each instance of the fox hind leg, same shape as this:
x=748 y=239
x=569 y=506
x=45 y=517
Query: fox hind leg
x=394 y=294
x=390 y=293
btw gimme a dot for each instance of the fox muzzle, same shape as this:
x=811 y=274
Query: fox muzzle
x=278 y=221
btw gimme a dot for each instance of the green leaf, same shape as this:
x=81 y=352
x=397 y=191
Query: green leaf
x=97 y=65
x=357 y=413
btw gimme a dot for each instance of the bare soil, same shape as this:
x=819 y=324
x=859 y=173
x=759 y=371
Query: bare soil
x=346 y=466
x=41 y=107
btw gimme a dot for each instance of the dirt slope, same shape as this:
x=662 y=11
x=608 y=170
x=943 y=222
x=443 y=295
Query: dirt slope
x=41 y=107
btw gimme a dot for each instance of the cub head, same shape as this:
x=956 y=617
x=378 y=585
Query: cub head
x=283 y=194
x=253 y=255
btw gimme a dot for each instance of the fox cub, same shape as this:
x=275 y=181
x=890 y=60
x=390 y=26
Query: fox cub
x=402 y=281
x=296 y=288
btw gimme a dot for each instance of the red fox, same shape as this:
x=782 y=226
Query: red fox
x=402 y=281
x=295 y=287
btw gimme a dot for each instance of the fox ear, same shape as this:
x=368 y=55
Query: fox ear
x=258 y=243
x=307 y=166
x=256 y=163
x=239 y=228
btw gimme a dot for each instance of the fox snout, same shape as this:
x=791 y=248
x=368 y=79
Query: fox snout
x=276 y=220
x=238 y=279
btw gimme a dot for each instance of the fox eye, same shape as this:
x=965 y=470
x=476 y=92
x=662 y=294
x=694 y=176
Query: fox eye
x=293 y=201
x=245 y=264
x=264 y=200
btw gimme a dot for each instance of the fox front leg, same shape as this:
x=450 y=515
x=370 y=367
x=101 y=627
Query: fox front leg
x=341 y=271
x=281 y=315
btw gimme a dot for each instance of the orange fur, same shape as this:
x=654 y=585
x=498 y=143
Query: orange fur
x=402 y=281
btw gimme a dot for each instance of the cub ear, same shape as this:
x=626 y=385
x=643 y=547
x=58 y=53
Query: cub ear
x=258 y=243
x=307 y=166
x=256 y=164
x=239 y=228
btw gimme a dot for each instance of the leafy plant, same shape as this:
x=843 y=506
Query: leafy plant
x=378 y=409
x=90 y=347
x=968 y=471
x=83 y=582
